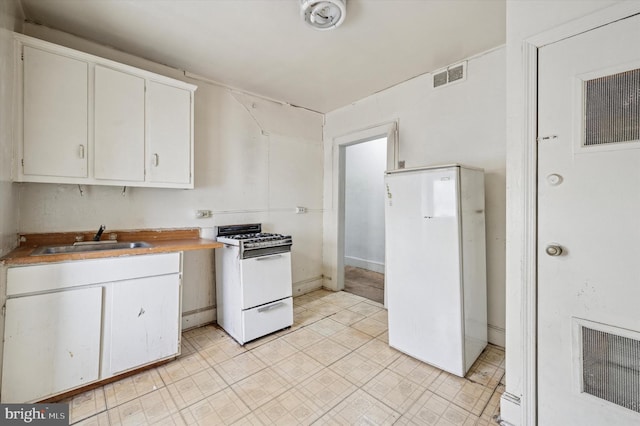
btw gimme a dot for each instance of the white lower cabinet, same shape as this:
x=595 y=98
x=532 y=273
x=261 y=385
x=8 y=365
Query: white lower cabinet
x=144 y=322
x=52 y=343
x=73 y=323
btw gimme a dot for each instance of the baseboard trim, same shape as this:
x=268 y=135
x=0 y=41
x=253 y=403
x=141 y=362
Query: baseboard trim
x=369 y=265
x=198 y=318
x=307 y=286
x=496 y=335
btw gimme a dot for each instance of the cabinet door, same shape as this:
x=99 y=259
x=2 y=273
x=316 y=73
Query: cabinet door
x=169 y=134
x=145 y=321
x=52 y=343
x=54 y=115
x=119 y=125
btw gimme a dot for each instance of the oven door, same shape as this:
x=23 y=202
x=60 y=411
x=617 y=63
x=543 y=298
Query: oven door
x=265 y=279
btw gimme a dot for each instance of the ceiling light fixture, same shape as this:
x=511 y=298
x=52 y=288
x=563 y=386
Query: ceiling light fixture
x=323 y=14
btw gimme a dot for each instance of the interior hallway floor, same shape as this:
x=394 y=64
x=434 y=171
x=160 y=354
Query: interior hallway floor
x=333 y=367
x=365 y=283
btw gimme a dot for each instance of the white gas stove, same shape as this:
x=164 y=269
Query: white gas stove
x=253 y=281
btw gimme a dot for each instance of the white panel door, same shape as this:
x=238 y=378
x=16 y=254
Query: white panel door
x=422 y=268
x=589 y=228
x=119 y=125
x=54 y=115
x=265 y=279
x=52 y=343
x=169 y=134
x=145 y=321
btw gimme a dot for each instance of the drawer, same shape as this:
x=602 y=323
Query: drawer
x=55 y=276
x=260 y=321
x=265 y=278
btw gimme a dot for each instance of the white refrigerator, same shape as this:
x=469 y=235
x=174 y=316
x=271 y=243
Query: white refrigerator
x=435 y=264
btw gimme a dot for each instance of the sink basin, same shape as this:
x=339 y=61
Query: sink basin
x=89 y=246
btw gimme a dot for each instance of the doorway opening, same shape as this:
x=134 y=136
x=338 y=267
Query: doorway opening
x=364 y=245
x=387 y=134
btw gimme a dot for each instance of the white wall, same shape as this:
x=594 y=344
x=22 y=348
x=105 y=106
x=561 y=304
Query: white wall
x=255 y=160
x=365 y=164
x=459 y=123
x=11 y=18
x=525 y=18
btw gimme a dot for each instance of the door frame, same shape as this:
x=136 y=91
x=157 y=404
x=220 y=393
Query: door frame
x=528 y=174
x=387 y=130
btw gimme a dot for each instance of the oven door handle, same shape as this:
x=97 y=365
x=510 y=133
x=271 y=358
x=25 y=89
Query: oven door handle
x=274 y=256
x=268 y=308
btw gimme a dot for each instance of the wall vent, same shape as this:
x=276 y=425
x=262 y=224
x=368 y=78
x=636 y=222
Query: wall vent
x=451 y=74
x=440 y=79
x=456 y=73
x=611 y=367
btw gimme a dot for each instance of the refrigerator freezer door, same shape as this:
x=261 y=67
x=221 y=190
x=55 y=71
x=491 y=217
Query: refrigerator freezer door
x=423 y=270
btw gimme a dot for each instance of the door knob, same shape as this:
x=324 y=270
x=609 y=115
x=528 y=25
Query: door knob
x=553 y=250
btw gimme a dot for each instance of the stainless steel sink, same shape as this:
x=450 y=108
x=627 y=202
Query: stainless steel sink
x=89 y=246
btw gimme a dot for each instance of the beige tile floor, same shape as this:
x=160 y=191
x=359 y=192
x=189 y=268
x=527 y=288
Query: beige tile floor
x=333 y=367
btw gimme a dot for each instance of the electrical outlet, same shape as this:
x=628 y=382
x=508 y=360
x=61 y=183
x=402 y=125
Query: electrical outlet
x=202 y=214
x=300 y=210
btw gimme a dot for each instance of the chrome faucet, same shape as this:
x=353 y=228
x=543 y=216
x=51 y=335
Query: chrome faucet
x=99 y=233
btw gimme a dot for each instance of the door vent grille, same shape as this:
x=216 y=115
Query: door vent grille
x=611 y=367
x=612 y=109
x=451 y=74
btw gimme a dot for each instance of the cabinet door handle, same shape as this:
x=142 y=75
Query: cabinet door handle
x=268 y=308
x=156 y=160
x=81 y=151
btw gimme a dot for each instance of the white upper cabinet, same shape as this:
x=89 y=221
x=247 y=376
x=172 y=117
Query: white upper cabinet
x=55 y=105
x=83 y=119
x=119 y=125
x=169 y=134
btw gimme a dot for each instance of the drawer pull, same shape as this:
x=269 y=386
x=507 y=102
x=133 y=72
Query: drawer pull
x=268 y=257
x=268 y=308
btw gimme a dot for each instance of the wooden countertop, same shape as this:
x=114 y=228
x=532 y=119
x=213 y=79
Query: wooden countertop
x=161 y=240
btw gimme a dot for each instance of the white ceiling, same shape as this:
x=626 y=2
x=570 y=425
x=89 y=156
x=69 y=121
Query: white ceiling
x=264 y=47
